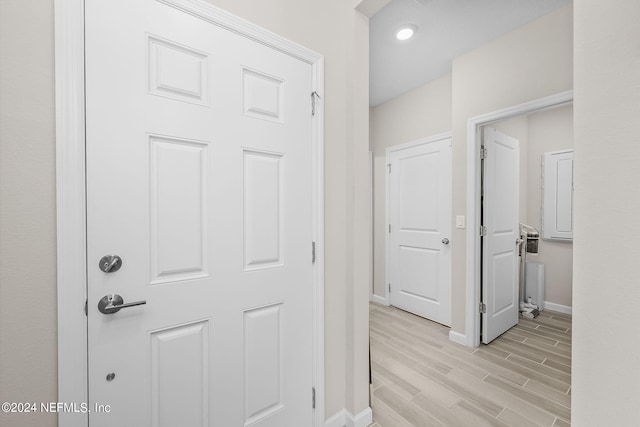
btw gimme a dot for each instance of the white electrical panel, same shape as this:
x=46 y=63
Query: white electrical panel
x=557 y=195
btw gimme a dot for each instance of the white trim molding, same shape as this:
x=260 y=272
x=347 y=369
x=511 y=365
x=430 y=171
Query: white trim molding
x=344 y=418
x=457 y=337
x=70 y=207
x=339 y=419
x=387 y=208
x=371 y=228
x=361 y=419
x=71 y=197
x=474 y=124
x=558 y=307
x=380 y=300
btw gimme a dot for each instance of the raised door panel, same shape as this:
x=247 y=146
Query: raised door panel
x=418 y=183
x=504 y=187
x=179 y=182
x=503 y=270
x=262 y=96
x=564 y=187
x=557 y=218
x=263 y=210
x=179 y=365
x=418 y=273
x=177 y=71
x=263 y=363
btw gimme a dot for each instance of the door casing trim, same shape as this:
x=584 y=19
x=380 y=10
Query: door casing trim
x=71 y=192
x=473 y=279
x=385 y=299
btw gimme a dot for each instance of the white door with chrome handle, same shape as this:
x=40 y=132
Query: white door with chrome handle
x=419 y=229
x=199 y=178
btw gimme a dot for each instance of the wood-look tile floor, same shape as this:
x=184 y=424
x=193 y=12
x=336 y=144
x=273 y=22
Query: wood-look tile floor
x=421 y=378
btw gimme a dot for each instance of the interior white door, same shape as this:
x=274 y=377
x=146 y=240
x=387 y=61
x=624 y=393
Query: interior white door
x=199 y=178
x=501 y=265
x=420 y=229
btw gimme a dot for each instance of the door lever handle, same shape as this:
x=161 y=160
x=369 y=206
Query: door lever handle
x=113 y=303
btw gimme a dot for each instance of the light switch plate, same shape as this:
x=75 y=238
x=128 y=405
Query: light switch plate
x=460 y=221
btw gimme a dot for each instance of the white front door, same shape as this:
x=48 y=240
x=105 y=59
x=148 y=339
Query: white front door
x=199 y=179
x=420 y=229
x=501 y=263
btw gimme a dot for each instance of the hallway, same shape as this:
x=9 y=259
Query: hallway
x=420 y=378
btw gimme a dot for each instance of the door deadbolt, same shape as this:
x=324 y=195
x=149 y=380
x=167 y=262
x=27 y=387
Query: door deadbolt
x=110 y=263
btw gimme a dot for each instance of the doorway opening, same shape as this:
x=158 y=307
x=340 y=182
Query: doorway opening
x=529 y=194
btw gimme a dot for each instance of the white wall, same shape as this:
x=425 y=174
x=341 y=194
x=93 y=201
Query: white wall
x=28 y=330
x=358 y=222
x=606 y=292
x=423 y=112
x=28 y=354
x=549 y=130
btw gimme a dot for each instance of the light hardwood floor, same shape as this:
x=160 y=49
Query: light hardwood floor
x=420 y=378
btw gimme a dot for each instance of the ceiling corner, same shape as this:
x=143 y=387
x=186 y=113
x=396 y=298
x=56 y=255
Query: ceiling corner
x=370 y=7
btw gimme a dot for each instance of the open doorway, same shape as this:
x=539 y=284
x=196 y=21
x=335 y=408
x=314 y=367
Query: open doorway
x=536 y=250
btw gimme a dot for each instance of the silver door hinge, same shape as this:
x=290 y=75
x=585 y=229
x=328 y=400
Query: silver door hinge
x=314 y=96
x=313 y=252
x=313 y=397
x=389 y=287
x=389 y=166
x=483 y=308
x=483 y=230
x=483 y=153
x=86 y=307
x=389 y=228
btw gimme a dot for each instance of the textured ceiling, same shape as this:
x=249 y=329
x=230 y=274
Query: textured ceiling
x=446 y=29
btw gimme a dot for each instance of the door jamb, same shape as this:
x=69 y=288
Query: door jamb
x=71 y=192
x=386 y=300
x=473 y=279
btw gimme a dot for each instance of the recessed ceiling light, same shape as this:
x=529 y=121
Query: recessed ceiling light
x=406 y=32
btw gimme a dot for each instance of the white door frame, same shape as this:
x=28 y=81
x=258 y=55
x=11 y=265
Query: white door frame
x=474 y=141
x=371 y=226
x=71 y=198
x=387 y=205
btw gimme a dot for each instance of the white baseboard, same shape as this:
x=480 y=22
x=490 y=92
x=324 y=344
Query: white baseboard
x=363 y=419
x=557 y=307
x=457 y=337
x=339 y=419
x=380 y=300
x=344 y=418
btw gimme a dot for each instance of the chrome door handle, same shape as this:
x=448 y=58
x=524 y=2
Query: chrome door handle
x=445 y=241
x=113 y=303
